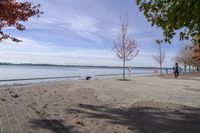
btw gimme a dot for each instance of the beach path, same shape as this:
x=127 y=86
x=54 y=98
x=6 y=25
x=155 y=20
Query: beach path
x=140 y=105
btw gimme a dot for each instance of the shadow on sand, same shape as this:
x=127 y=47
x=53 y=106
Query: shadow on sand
x=123 y=79
x=55 y=126
x=145 y=119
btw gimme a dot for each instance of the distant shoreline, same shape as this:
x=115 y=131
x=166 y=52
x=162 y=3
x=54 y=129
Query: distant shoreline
x=79 y=66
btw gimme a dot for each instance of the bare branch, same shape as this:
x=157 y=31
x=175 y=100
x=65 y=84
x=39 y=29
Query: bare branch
x=185 y=57
x=125 y=48
x=159 y=57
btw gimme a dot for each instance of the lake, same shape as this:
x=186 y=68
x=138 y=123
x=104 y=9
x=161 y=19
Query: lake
x=29 y=74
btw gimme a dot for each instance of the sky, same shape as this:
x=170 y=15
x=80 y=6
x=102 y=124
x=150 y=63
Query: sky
x=81 y=32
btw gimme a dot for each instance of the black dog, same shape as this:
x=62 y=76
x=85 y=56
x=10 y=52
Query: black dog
x=88 y=78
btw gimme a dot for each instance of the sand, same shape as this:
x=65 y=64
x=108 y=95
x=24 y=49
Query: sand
x=148 y=104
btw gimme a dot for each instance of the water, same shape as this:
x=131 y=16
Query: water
x=31 y=74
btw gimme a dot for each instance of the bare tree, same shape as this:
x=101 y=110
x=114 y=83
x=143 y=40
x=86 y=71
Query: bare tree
x=124 y=47
x=160 y=57
x=185 y=57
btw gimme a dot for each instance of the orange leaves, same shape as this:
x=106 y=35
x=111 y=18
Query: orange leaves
x=13 y=12
x=196 y=49
x=20 y=26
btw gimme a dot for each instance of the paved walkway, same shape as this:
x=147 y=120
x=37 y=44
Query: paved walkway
x=16 y=117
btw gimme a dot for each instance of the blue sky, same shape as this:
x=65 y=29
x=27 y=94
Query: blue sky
x=81 y=32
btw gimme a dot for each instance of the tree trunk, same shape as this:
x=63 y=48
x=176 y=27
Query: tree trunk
x=160 y=70
x=124 y=68
x=185 y=67
x=189 y=68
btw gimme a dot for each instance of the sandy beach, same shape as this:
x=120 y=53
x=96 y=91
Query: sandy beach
x=147 y=104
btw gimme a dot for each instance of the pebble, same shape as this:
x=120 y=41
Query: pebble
x=80 y=123
x=15 y=96
x=2 y=99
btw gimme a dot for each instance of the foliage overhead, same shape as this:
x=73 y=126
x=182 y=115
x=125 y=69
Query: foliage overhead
x=172 y=16
x=12 y=13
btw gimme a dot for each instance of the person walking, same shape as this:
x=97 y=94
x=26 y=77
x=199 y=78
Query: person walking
x=176 y=69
